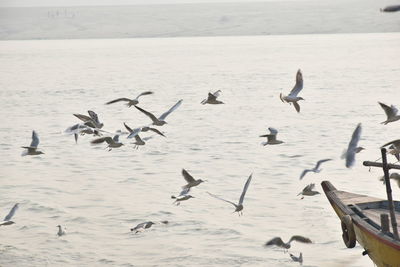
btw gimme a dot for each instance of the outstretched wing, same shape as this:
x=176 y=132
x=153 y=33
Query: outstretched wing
x=303 y=173
x=390 y=111
x=296 y=106
x=11 y=213
x=298 y=86
x=351 y=150
x=35 y=139
x=246 y=186
x=148 y=114
x=187 y=176
x=156 y=131
x=396 y=143
x=320 y=162
x=165 y=114
x=101 y=140
x=300 y=238
x=277 y=241
x=82 y=117
x=94 y=116
x=273 y=131
x=144 y=93
x=118 y=100
x=217 y=197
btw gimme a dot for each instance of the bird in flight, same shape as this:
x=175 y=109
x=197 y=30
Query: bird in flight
x=308 y=191
x=292 y=97
x=7 y=219
x=271 y=137
x=316 y=169
x=212 y=98
x=298 y=259
x=32 y=149
x=130 y=102
x=92 y=120
x=238 y=207
x=352 y=149
x=277 y=241
x=394 y=148
x=392 y=113
x=191 y=182
x=160 y=121
x=112 y=142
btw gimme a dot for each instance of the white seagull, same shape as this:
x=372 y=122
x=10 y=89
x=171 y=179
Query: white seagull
x=308 y=191
x=238 y=207
x=160 y=121
x=316 y=169
x=352 y=149
x=32 y=149
x=79 y=129
x=212 y=98
x=292 y=97
x=142 y=226
x=191 y=182
x=271 y=137
x=136 y=131
x=297 y=259
x=391 y=113
x=7 y=219
x=184 y=195
x=131 y=102
x=112 y=142
x=92 y=120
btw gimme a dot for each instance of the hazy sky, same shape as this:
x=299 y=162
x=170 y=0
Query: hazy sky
x=108 y=2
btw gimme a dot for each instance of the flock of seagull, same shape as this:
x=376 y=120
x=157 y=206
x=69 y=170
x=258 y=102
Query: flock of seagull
x=91 y=125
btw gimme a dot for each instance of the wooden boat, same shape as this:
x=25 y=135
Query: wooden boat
x=360 y=217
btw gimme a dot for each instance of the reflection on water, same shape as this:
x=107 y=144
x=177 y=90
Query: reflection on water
x=99 y=195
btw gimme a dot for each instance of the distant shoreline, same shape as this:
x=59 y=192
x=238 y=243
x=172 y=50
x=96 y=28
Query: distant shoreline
x=192 y=20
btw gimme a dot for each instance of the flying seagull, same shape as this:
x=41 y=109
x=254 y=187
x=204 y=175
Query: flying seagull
x=308 y=191
x=92 y=120
x=394 y=148
x=79 y=129
x=191 y=182
x=140 y=141
x=352 y=149
x=136 y=131
x=392 y=113
x=131 y=102
x=160 y=121
x=7 y=219
x=61 y=231
x=184 y=195
x=277 y=241
x=316 y=169
x=141 y=226
x=32 y=149
x=238 y=207
x=112 y=142
x=292 y=97
x=271 y=137
x=212 y=98
x=297 y=259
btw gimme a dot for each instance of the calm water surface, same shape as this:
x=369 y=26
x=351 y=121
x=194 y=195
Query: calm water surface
x=99 y=195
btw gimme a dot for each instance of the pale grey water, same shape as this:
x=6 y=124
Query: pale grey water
x=100 y=195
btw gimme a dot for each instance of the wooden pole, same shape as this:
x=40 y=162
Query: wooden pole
x=389 y=194
x=378 y=164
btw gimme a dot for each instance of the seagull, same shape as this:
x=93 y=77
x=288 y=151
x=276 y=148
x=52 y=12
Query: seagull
x=297 y=259
x=77 y=129
x=292 y=97
x=131 y=102
x=92 y=120
x=136 y=131
x=308 y=191
x=184 y=195
x=140 y=141
x=350 y=153
x=32 y=149
x=160 y=121
x=212 y=98
x=141 y=226
x=112 y=142
x=60 y=231
x=394 y=148
x=315 y=169
x=395 y=176
x=277 y=241
x=191 y=182
x=239 y=206
x=271 y=137
x=391 y=113
x=7 y=219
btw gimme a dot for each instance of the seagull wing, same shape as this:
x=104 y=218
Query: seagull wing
x=187 y=176
x=101 y=140
x=185 y=191
x=296 y=106
x=118 y=100
x=396 y=143
x=82 y=117
x=277 y=241
x=298 y=86
x=144 y=93
x=388 y=110
x=156 y=131
x=211 y=97
x=148 y=114
x=94 y=116
x=11 y=213
x=246 y=186
x=217 y=93
x=217 y=197
x=273 y=131
x=300 y=238
x=303 y=174
x=164 y=115
x=35 y=139
x=116 y=138
x=351 y=150
x=138 y=139
x=320 y=162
